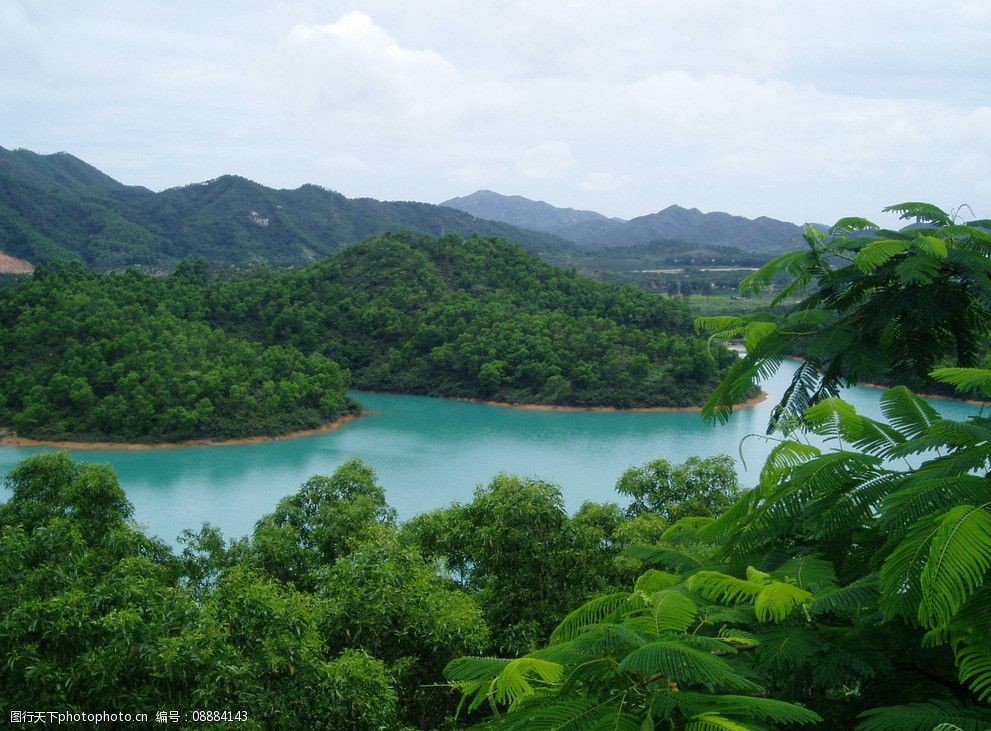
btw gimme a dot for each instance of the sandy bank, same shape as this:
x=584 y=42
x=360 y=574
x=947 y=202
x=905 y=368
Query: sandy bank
x=936 y=396
x=9 y=439
x=762 y=396
x=881 y=386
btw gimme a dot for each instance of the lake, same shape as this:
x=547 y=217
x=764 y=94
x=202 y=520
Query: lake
x=430 y=452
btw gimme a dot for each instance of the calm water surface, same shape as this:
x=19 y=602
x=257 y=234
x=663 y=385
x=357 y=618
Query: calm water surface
x=430 y=452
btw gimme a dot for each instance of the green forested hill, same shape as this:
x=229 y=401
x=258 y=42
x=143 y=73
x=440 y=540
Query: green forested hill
x=59 y=207
x=131 y=356
x=478 y=318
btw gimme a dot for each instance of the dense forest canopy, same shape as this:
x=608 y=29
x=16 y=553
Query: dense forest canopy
x=478 y=318
x=328 y=616
x=132 y=356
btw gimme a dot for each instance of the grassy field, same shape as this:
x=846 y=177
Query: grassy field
x=727 y=304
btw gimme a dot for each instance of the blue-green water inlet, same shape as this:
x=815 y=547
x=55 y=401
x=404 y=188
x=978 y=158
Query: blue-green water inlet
x=429 y=453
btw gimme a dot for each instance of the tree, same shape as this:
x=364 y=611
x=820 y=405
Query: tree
x=699 y=486
x=516 y=548
x=94 y=614
x=383 y=598
x=326 y=519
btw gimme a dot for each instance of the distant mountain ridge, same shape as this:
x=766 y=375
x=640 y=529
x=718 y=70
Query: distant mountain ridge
x=524 y=212
x=57 y=207
x=594 y=230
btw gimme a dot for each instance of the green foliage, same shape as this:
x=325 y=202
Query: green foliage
x=849 y=586
x=926 y=717
x=698 y=487
x=898 y=303
x=630 y=660
x=329 y=517
x=516 y=547
x=854 y=577
x=959 y=559
x=477 y=318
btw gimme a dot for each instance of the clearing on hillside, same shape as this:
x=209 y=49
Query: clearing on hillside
x=12 y=265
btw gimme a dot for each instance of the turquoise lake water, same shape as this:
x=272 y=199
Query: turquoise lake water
x=429 y=453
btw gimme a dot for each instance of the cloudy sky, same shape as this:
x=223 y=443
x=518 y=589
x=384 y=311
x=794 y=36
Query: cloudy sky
x=798 y=110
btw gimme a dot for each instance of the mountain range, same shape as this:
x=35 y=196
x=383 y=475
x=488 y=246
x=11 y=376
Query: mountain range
x=60 y=207
x=57 y=206
x=593 y=230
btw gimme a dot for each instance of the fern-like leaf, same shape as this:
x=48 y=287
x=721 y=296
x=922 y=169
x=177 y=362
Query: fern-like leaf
x=877 y=252
x=679 y=559
x=921 y=212
x=653 y=580
x=931 y=245
x=719 y=587
x=683 y=664
x=809 y=572
x=777 y=600
x=610 y=640
x=974 y=667
x=851 y=224
x=516 y=681
x=715 y=722
x=900 y=573
x=784 y=648
x=911 y=415
x=919 y=269
x=749 y=707
x=965 y=379
x=860 y=595
x=462 y=669
x=792 y=262
x=918 y=497
x=925 y=717
x=757 y=332
x=671 y=611
x=590 y=613
x=959 y=558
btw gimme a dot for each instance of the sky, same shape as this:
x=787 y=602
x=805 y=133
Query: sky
x=797 y=110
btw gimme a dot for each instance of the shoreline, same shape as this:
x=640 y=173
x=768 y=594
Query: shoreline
x=9 y=439
x=749 y=403
x=936 y=396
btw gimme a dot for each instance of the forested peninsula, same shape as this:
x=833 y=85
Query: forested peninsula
x=132 y=357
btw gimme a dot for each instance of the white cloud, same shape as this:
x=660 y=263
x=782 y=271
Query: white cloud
x=795 y=110
x=603 y=182
x=546 y=161
x=354 y=72
x=356 y=64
